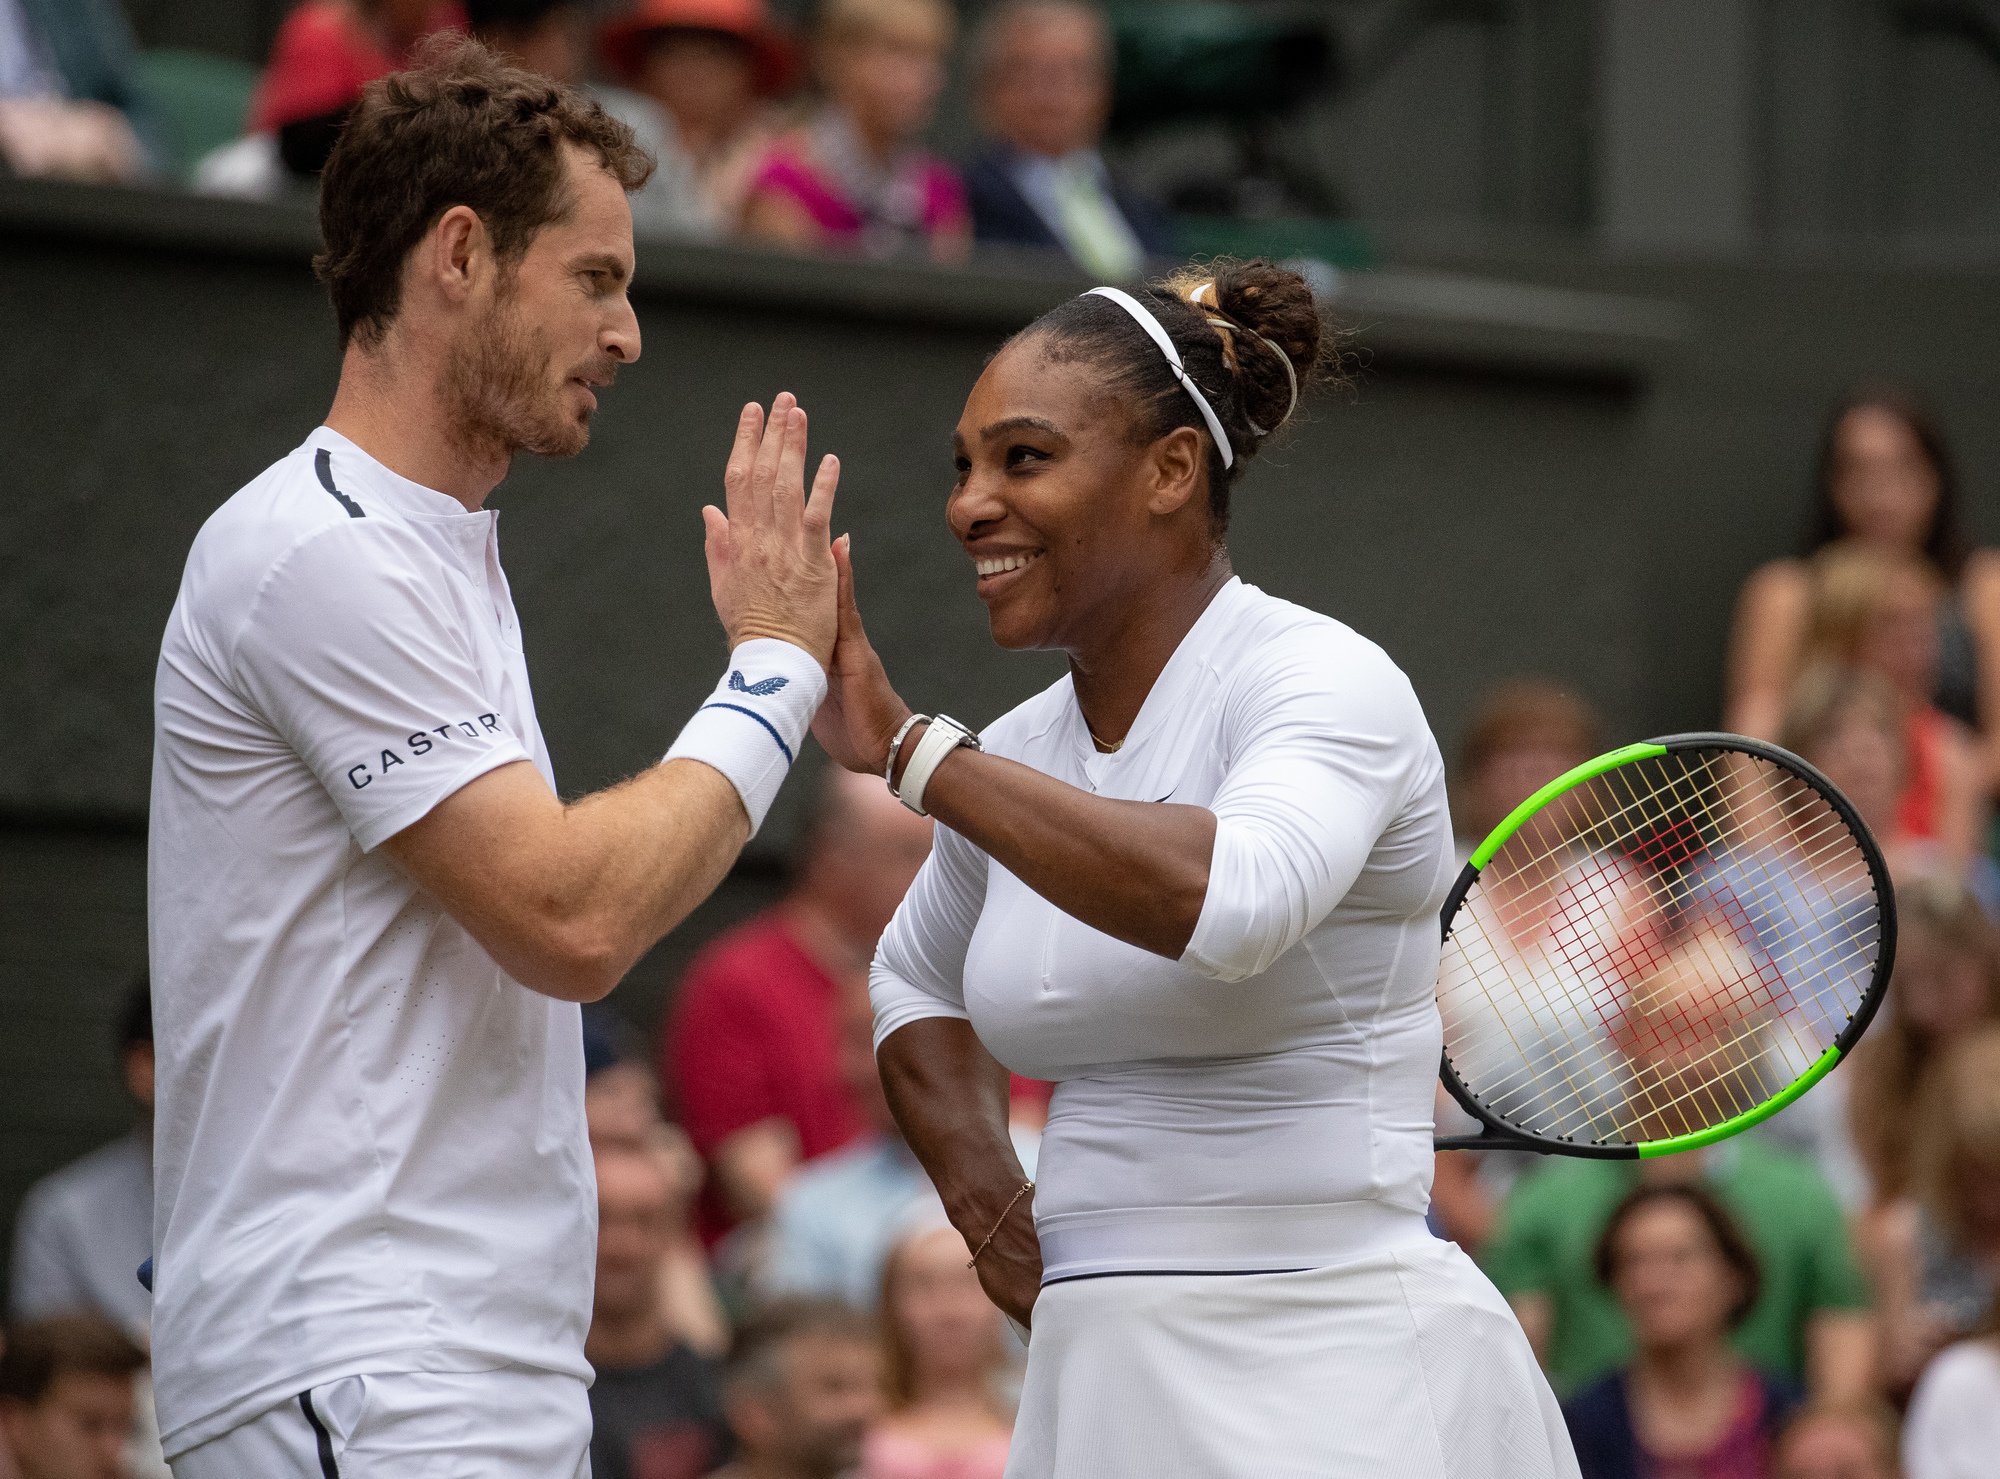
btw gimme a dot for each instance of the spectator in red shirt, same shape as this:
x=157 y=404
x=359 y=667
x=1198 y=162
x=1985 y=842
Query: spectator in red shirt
x=751 y=1049
x=324 y=54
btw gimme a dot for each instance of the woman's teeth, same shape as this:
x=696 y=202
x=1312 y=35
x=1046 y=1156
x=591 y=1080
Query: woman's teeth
x=1004 y=563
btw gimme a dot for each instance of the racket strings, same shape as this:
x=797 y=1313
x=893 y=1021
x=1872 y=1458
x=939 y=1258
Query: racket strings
x=1686 y=918
x=1728 y=1048
x=1760 y=978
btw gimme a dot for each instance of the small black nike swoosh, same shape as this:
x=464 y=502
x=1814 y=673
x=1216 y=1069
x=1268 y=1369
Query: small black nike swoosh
x=1167 y=797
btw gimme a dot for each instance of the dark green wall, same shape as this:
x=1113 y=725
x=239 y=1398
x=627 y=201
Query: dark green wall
x=1568 y=478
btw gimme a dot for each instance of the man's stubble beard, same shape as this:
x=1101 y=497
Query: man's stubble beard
x=497 y=395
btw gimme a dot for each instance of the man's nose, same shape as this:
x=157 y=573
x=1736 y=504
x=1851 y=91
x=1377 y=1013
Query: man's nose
x=620 y=339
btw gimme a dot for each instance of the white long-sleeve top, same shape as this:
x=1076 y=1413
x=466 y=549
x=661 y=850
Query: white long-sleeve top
x=1263 y=1102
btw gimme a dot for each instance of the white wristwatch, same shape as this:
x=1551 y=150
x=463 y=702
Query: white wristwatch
x=944 y=735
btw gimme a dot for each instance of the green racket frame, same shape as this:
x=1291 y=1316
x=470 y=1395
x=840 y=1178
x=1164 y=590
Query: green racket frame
x=1496 y=1133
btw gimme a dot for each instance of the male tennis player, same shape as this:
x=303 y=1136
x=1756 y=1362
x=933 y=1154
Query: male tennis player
x=371 y=916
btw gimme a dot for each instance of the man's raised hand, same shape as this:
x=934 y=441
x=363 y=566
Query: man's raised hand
x=770 y=568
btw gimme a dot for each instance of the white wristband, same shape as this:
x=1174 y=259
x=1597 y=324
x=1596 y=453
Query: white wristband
x=943 y=735
x=751 y=727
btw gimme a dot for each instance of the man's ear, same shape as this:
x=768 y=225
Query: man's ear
x=458 y=254
x=1174 y=466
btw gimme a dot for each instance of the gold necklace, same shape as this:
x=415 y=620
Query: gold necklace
x=1103 y=745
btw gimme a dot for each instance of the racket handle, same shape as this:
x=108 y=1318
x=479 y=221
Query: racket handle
x=1488 y=1140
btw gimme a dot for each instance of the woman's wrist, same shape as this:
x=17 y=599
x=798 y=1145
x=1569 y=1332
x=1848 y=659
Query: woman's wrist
x=902 y=745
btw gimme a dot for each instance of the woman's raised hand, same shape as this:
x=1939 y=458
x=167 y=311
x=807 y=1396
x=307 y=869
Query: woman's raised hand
x=770 y=570
x=862 y=712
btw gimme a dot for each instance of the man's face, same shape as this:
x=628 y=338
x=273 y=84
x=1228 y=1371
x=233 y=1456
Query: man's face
x=634 y=1230
x=77 y=1431
x=813 y=1423
x=1049 y=90
x=524 y=372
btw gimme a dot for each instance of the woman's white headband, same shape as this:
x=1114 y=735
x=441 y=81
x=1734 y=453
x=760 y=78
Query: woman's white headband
x=1158 y=334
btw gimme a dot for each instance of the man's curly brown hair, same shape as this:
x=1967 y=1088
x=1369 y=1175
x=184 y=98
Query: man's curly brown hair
x=459 y=127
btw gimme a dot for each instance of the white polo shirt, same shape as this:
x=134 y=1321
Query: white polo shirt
x=370 y=1149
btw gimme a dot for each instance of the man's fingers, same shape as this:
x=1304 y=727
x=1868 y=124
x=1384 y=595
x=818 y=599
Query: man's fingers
x=819 y=507
x=743 y=455
x=788 y=488
x=777 y=428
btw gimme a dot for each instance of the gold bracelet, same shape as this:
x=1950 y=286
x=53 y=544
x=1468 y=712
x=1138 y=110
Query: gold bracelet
x=1026 y=1187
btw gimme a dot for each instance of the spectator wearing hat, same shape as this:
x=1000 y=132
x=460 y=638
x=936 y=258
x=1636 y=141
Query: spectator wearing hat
x=852 y=178
x=552 y=37
x=325 y=53
x=714 y=67
x=1042 y=69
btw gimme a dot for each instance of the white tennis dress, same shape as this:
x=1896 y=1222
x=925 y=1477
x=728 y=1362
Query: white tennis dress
x=1238 y=1278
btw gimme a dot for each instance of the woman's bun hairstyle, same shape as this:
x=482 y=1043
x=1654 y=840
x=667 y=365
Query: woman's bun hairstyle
x=1267 y=310
x=1249 y=334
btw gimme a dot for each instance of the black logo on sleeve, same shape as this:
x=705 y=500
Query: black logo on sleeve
x=424 y=742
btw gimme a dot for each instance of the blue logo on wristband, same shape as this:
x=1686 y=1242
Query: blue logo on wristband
x=762 y=688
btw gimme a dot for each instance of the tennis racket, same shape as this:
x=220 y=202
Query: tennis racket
x=1659 y=949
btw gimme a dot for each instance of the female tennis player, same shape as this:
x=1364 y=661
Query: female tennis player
x=1197 y=884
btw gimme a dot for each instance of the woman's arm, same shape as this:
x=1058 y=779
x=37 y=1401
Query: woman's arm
x=949 y=1097
x=1136 y=870
x=1227 y=887
x=1765 y=644
x=946 y=1091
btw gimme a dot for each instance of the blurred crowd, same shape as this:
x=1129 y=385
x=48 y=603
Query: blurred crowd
x=810 y=141
x=777 y=1291
x=1813 y=1299
x=779 y=1296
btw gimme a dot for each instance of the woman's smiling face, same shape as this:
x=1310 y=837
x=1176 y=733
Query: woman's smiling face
x=1065 y=513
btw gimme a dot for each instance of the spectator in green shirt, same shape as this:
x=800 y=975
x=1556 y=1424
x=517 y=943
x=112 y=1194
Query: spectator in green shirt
x=1811 y=1321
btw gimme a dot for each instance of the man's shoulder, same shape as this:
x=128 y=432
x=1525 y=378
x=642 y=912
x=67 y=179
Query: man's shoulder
x=282 y=509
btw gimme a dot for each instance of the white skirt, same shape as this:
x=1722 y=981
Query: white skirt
x=1405 y=1364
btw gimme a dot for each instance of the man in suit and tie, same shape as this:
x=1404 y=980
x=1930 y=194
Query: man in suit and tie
x=1043 y=73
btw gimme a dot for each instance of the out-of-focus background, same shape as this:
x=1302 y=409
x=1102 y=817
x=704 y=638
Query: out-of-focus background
x=1672 y=338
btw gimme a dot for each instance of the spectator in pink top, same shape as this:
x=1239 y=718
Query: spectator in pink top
x=948 y=1415
x=851 y=177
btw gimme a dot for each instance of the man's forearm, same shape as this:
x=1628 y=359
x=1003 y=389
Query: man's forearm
x=567 y=898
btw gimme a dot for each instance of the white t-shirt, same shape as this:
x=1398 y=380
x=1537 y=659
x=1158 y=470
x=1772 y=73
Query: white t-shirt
x=1265 y=1101
x=1953 y=1430
x=370 y=1147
